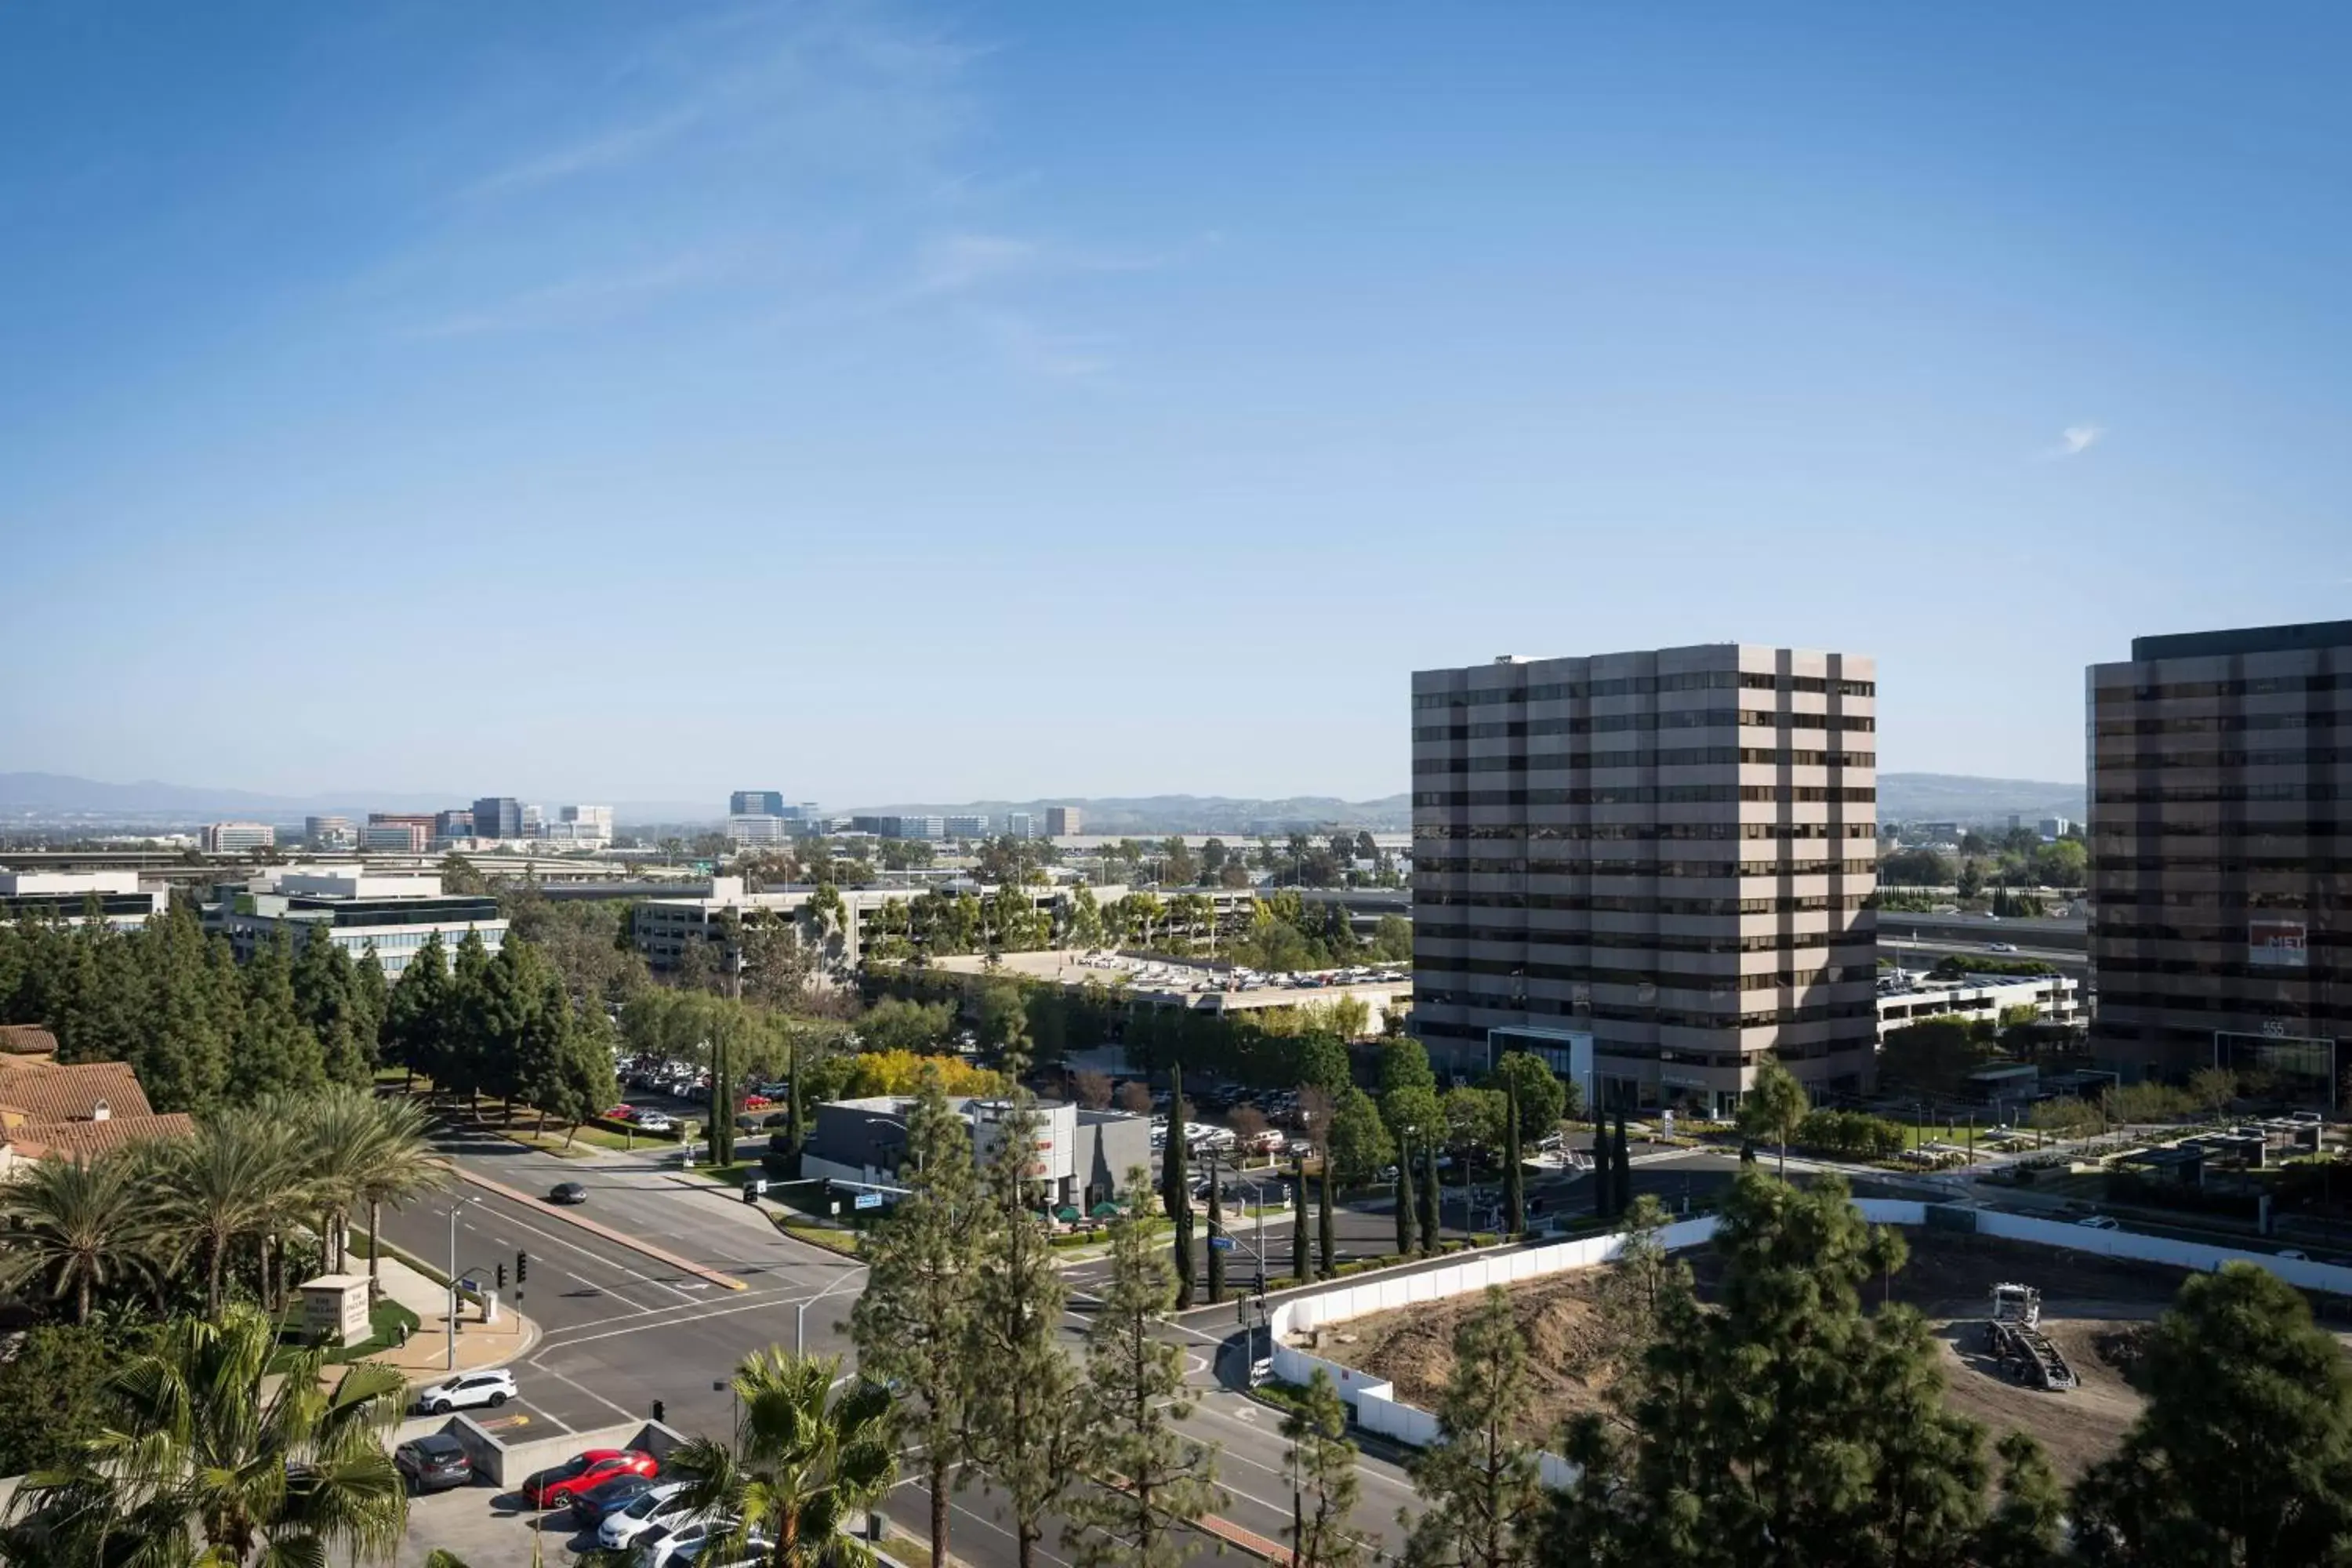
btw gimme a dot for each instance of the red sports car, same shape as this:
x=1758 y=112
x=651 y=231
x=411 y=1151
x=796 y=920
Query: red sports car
x=556 y=1488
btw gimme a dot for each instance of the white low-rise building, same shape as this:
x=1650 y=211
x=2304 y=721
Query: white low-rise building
x=1905 y=998
x=123 y=901
x=392 y=915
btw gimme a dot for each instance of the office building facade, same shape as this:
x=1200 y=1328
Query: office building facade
x=455 y=824
x=1064 y=820
x=393 y=917
x=497 y=817
x=396 y=837
x=758 y=827
x=236 y=837
x=965 y=827
x=1651 y=869
x=2222 y=934
x=756 y=803
x=121 y=900
x=1020 y=824
x=933 y=828
x=328 y=832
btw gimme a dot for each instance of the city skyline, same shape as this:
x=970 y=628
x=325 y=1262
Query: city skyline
x=944 y=366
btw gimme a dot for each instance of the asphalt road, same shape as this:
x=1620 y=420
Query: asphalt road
x=620 y=1330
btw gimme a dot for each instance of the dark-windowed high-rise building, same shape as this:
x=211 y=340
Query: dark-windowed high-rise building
x=2220 y=858
x=1650 y=869
x=497 y=817
x=756 y=803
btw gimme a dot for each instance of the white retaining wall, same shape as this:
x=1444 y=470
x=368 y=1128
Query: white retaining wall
x=1378 y=1410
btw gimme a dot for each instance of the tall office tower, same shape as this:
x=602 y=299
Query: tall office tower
x=457 y=823
x=328 y=832
x=2223 y=925
x=1063 y=820
x=1020 y=824
x=497 y=817
x=756 y=803
x=1649 y=868
x=534 y=822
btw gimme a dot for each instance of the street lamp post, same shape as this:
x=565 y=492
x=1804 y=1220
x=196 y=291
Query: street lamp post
x=800 y=1317
x=450 y=1323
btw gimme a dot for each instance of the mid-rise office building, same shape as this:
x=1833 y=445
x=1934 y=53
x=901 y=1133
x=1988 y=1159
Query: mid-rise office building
x=933 y=828
x=1650 y=869
x=2219 y=763
x=404 y=837
x=236 y=837
x=456 y=824
x=756 y=803
x=534 y=822
x=965 y=827
x=392 y=916
x=328 y=832
x=1020 y=825
x=119 y=898
x=2056 y=828
x=1064 y=820
x=581 y=826
x=497 y=817
x=758 y=827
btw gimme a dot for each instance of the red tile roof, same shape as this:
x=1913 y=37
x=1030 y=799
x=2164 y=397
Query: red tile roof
x=27 y=1040
x=44 y=1091
x=87 y=1140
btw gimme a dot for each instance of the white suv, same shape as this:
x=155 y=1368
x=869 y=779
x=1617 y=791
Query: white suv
x=472 y=1388
x=664 y=1505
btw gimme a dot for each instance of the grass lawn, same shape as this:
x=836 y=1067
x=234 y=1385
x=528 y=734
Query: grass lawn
x=842 y=1241
x=386 y=1319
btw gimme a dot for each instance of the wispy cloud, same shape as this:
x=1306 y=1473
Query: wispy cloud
x=1040 y=351
x=607 y=149
x=576 y=300
x=2077 y=440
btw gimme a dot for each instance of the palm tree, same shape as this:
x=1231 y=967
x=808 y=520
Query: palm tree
x=232 y=1181
x=197 y=1445
x=807 y=1464
x=400 y=1165
x=77 y=1225
x=343 y=1132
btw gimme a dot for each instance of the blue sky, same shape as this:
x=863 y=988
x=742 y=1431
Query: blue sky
x=616 y=401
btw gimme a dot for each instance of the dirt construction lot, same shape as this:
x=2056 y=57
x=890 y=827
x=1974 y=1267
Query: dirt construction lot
x=2092 y=1310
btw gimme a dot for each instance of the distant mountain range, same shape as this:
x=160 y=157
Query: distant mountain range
x=1959 y=797
x=59 y=797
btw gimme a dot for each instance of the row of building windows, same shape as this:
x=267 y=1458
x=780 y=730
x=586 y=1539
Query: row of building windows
x=2222 y=865
x=1705 y=756
x=2228 y=935
x=2198 y=793
x=1514 y=865
x=2296 y=898
x=1650 y=795
x=1650 y=975
x=1643 y=685
x=1619 y=1013
x=2301 y=1013
x=2252 y=686
x=2220 y=723
x=1637 y=904
x=1647 y=941
x=1642 y=832
x=2127 y=760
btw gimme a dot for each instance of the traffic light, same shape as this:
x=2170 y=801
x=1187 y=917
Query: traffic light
x=658 y=1411
x=502 y=1276
x=522 y=1266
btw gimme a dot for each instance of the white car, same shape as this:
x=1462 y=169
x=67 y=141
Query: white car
x=660 y=1548
x=664 y=1505
x=473 y=1388
x=2096 y=1222
x=654 y=1121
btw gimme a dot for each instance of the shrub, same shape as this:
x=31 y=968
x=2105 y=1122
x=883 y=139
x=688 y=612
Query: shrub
x=1849 y=1134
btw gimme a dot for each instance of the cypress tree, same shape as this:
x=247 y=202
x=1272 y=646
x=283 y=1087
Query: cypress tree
x=276 y=1051
x=1621 y=1189
x=1302 y=1256
x=1514 y=1189
x=1403 y=1197
x=1216 y=1229
x=1433 y=1228
x=1604 y=1172
x=1328 y=1188
x=1179 y=1190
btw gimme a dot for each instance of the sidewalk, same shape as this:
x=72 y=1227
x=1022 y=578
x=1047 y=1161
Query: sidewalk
x=426 y=1357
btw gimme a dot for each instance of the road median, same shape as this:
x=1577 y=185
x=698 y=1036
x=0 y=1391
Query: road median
x=618 y=1237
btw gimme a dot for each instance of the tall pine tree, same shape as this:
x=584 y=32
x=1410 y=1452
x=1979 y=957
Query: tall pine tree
x=276 y=1052
x=1479 y=1478
x=914 y=1322
x=1159 y=1479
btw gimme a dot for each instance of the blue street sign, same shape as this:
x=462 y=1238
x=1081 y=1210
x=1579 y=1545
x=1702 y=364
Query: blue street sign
x=869 y=1200
x=1222 y=1243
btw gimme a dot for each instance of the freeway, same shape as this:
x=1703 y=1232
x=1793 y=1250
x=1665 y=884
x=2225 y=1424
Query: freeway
x=620 y=1330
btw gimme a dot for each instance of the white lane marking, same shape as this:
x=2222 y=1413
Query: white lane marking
x=1364 y=1464
x=502 y=1241
x=626 y=1414
x=593 y=1256
x=636 y=1311
x=635 y=1328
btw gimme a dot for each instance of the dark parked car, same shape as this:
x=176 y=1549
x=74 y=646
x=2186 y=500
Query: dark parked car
x=591 y=1507
x=567 y=1192
x=433 y=1463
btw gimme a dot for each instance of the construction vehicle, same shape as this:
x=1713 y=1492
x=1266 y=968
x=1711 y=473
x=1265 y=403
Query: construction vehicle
x=2013 y=1337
